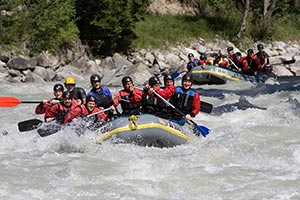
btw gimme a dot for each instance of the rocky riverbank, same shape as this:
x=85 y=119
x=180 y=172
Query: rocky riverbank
x=139 y=65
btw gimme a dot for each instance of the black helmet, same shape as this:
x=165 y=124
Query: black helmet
x=238 y=54
x=190 y=55
x=187 y=77
x=90 y=98
x=250 y=51
x=95 y=78
x=58 y=86
x=153 y=80
x=66 y=95
x=229 y=48
x=126 y=79
x=168 y=77
x=260 y=46
x=202 y=56
x=218 y=56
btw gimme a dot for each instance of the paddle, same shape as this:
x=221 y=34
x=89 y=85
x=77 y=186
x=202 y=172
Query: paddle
x=285 y=62
x=176 y=74
x=236 y=67
x=12 y=102
x=202 y=129
x=29 y=125
x=206 y=107
x=52 y=128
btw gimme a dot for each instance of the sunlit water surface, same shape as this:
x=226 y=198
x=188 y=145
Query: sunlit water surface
x=249 y=154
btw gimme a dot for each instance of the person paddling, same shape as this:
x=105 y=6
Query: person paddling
x=130 y=97
x=77 y=93
x=186 y=100
x=152 y=104
x=60 y=111
x=44 y=106
x=89 y=113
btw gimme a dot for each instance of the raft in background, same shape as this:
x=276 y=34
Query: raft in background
x=145 y=130
x=210 y=74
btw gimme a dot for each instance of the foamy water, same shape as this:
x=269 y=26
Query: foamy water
x=250 y=154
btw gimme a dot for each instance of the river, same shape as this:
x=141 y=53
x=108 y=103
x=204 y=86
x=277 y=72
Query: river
x=250 y=153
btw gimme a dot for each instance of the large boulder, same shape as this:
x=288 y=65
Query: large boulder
x=45 y=59
x=21 y=63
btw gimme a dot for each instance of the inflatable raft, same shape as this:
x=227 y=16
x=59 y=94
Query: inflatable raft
x=144 y=130
x=209 y=74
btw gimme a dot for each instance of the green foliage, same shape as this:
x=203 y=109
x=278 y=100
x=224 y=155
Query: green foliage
x=42 y=24
x=107 y=26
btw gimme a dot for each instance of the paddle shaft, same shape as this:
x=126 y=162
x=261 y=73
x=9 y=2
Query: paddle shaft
x=169 y=104
x=33 y=102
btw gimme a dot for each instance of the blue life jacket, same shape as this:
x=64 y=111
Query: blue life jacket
x=103 y=96
x=183 y=100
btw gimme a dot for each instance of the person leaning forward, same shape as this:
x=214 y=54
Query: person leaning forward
x=61 y=111
x=44 y=106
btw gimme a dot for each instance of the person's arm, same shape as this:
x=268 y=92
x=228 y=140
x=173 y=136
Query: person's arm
x=52 y=113
x=135 y=96
x=116 y=98
x=168 y=92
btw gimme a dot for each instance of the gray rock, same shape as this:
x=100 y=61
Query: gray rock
x=5 y=56
x=32 y=77
x=45 y=59
x=20 y=63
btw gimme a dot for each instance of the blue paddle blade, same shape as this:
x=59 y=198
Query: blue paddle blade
x=203 y=130
x=175 y=74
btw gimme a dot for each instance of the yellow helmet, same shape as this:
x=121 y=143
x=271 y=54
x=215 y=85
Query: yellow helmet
x=70 y=80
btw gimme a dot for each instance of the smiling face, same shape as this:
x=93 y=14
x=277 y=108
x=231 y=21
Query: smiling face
x=67 y=102
x=186 y=84
x=91 y=105
x=58 y=94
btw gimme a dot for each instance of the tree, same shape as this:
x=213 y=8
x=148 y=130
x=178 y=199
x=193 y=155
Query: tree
x=42 y=24
x=108 y=26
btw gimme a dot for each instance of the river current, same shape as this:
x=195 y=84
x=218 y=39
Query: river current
x=251 y=153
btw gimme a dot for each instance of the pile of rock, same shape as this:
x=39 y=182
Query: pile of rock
x=139 y=65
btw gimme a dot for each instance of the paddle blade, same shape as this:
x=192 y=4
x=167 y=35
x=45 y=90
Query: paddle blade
x=29 y=125
x=49 y=129
x=175 y=74
x=206 y=107
x=9 y=102
x=203 y=130
x=287 y=62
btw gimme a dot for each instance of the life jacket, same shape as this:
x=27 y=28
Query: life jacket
x=127 y=107
x=183 y=100
x=102 y=97
x=63 y=111
x=152 y=104
x=191 y=64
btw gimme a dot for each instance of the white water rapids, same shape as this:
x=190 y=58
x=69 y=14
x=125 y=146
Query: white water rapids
x=249 y=154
